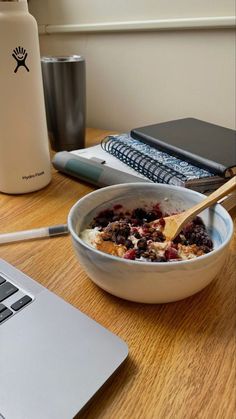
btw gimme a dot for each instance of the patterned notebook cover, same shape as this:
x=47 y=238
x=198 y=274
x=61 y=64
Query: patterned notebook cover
x=157 y=165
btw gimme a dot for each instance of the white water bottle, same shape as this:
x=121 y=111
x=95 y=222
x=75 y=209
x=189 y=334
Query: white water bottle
x=24 y=148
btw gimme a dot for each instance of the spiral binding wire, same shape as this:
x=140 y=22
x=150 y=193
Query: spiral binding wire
x=148 y=167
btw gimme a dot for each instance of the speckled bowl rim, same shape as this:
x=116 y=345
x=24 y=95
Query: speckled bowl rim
x=150 y=264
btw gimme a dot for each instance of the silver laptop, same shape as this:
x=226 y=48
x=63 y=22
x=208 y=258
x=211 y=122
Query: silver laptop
x=53 y=358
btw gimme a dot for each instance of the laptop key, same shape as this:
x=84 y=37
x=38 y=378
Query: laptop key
x=21 y=302
x=5 y=314
x=6 y=290
x=2 y=280
x=2 y=307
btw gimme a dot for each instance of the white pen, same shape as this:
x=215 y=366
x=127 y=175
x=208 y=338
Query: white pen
x=35 y=233
x=93 y=170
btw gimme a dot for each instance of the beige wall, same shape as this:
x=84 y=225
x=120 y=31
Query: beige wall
x=135 y=78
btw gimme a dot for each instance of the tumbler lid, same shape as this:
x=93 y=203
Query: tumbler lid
x=62 y=59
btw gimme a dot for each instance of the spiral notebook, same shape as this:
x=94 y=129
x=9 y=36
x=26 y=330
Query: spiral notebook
x=159 y=166
x=113 y=153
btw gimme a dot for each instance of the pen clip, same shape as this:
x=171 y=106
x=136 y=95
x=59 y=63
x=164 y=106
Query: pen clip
x=97 y=160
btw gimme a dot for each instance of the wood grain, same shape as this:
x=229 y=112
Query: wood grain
x=182 y=355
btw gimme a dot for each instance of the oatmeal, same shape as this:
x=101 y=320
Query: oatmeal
x=130 y=235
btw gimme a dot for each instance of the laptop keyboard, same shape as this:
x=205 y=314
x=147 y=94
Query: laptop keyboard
x=10 y=305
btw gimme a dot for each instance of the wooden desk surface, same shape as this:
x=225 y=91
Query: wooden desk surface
x=181 y=355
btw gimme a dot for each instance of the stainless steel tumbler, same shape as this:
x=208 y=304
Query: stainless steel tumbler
x=65 y=100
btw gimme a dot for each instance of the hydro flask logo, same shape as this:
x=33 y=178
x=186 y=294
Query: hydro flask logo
x=20 y=56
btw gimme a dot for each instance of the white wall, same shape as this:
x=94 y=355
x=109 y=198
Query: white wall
x=137 y=77
x=84 y=11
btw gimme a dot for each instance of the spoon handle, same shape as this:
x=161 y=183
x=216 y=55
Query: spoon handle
x=212 y=198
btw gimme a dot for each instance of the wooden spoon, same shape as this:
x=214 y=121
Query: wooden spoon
x=174 y=223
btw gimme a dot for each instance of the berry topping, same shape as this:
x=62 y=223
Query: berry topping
x=135 y=235
x=130 y=254
x=171 y=253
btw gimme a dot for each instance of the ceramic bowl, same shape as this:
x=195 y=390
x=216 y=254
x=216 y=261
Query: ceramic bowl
x=149 y=282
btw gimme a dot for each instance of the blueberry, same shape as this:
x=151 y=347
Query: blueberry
x=142 y=243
